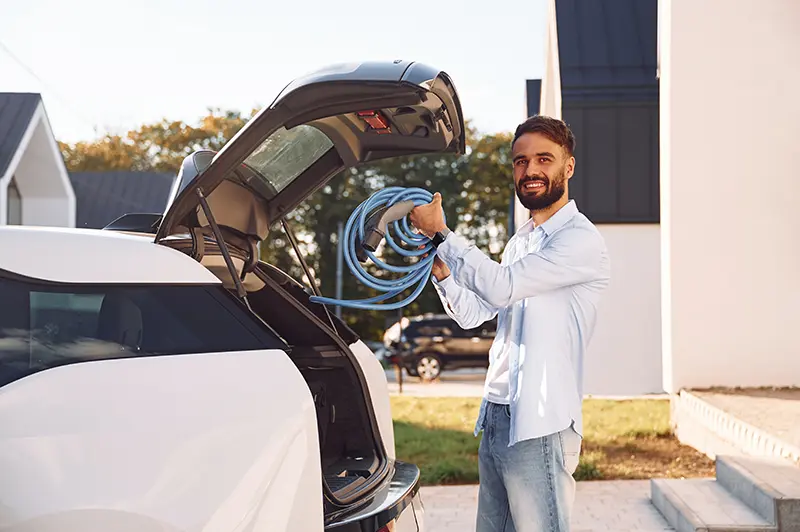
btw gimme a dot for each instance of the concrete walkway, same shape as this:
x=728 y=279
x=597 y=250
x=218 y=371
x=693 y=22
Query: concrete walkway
x=600 y=506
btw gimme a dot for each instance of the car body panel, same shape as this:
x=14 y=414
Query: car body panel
x=378 y=388
x=184 y=443
x=94 y=256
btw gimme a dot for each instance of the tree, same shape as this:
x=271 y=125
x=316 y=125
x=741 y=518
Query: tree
x=159 y=147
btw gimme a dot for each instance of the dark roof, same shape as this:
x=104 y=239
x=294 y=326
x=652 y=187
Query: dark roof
x=607 y=50
x=533 y=93
x=16 y=112
x=102 y=197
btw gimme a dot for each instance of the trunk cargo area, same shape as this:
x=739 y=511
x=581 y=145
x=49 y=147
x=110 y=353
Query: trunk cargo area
x=352 y=455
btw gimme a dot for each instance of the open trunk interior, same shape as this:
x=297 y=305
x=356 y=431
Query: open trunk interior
x=353 y=460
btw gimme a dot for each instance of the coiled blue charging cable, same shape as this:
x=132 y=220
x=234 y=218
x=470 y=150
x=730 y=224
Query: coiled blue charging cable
x=371 y=222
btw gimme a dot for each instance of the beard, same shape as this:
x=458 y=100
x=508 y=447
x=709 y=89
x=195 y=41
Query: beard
x=537 y=200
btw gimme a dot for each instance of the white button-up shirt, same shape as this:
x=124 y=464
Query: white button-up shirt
x=545 y=292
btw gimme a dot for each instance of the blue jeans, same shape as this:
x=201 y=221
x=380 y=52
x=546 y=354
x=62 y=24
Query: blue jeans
x=527 y=487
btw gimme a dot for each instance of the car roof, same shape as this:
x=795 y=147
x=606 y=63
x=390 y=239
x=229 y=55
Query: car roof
x=427 y=317
x=92 y=256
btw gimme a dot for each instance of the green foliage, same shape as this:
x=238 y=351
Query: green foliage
x=622 y=440
x=476 y=190
x=587 y=467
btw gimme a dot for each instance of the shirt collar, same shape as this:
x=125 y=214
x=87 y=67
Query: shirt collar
x=560 y=217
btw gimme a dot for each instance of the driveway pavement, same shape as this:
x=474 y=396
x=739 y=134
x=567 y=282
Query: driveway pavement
x=600 y=506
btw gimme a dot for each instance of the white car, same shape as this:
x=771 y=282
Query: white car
x=156 y=376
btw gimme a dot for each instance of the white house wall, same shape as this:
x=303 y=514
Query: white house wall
x=551 y=82
x=44 y=186
x=624 y=357
x=730 y=123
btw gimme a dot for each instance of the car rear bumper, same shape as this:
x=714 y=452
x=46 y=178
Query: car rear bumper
x=396 y=506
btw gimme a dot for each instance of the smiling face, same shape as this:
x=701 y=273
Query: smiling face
x=542 y=168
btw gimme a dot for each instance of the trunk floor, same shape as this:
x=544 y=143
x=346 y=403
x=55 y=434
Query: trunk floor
x=336 y=483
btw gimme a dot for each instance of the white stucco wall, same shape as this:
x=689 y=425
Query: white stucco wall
x=730 y=123
x=550 y=99
x=624 y=356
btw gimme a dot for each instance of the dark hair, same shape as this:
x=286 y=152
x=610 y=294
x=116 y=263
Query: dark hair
x=552 y=128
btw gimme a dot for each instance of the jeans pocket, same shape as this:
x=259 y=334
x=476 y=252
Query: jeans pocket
x=570 y=449
x=507 y=410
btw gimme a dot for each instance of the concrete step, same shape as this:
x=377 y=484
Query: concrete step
x=771 y=487
x=703 y=505
x=713 y=431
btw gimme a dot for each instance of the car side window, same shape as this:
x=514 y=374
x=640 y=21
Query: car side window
x=436 y=328
x=44 y=326
x=60 y=319
x=428 y=330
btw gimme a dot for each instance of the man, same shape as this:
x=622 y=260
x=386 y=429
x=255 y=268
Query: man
x=545 y=293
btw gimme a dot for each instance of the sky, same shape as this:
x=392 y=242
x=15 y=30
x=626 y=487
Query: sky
x=107 y=67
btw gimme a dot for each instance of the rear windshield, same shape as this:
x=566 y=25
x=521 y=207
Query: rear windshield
x=44 y=326
x=286 y=154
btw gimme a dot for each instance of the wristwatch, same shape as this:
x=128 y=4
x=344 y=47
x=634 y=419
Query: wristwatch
x=439 y=237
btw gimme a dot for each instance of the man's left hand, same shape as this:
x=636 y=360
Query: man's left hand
x=428 y=219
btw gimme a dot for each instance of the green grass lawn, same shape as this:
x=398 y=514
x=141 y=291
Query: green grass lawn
x=622 y=440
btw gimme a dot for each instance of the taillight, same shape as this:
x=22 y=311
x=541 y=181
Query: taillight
x=375 y=121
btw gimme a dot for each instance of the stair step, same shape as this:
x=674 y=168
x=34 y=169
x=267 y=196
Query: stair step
x=770 y=486
x=703 y=505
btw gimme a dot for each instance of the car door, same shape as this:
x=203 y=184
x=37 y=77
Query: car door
x=330 y=120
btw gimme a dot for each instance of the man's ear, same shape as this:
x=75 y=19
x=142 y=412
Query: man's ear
x=570 y=167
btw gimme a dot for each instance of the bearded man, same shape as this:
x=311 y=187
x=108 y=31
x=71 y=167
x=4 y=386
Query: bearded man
x=545 y=293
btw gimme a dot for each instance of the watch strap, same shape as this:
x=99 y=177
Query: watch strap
x=439 y=237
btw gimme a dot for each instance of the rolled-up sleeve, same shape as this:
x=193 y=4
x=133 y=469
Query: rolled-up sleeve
x=573 y=256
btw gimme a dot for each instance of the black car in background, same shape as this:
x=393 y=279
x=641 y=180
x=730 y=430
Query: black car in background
x=426 y=345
